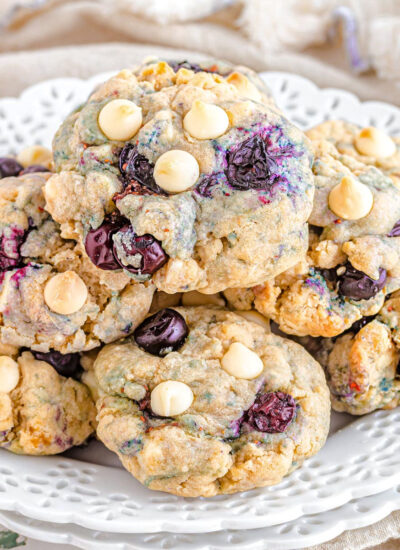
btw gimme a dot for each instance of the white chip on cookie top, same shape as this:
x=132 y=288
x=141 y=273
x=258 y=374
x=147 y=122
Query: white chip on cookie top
x=120 y=119
x=9 y=374
x=244 y=86
x=205 y=120
x=171 y=398
x=373 y=142
x=35 y=154
x=350 y=199
x=241 y=362
x=65 y=293
x=176 y=171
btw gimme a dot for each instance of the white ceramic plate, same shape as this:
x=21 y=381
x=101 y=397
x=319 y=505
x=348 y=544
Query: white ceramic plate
x=301 y=533
x=360 y=460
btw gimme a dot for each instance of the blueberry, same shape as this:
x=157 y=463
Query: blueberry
x=137 y=172
x=99 y=244
x=271 y=412
x=34 y=168
x=250 y=165
x=147 y=251
x=162 y=332
x=176 y=65
x=357 y=285
x=66 y=365
x=9 y=167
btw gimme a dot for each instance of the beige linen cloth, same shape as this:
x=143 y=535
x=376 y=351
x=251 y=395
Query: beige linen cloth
x=83 y=37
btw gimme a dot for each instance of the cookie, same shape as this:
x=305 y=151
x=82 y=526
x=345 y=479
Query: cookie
x=201 y=401
x=369 y=145
x=353 y=260
x=181 y=178
x=52 y=297
x=42 y=412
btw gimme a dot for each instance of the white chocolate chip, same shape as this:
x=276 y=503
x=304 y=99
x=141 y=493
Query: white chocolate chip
x=176 y=171
x=65 y=293
x=171 y=398
x=35 y=154
x=350 y=199
x=205 y=121
x=195 y=298
x=241 y=362
x=120 y=119
x=375 y=143
x=244 y=86
x=255 y=317
x=9 y=374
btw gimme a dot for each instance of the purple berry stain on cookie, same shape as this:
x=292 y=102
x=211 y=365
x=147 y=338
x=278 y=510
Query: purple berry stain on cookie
x=356 y=285
x=99 y=244
x=65 y=364
x=137 y=173
x=9 y=167
x=146 y=251
x=162 y=333
x=10 y=244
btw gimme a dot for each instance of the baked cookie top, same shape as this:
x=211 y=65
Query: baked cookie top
x=184 y=177
x=201 y=401
x=51 y=295
x=353 y=260
x=41 y=412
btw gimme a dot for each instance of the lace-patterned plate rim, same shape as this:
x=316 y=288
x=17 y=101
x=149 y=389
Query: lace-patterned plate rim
x=362 y=459
x=301 y=533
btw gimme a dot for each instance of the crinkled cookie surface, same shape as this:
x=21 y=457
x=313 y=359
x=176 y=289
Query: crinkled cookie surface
x=351 y=265
x=45 y=413
x=240 y=222
x=32 y=253
x=237 y=433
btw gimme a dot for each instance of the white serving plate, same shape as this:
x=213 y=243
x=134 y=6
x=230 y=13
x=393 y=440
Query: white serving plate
x=89 y=489
x=301 y=533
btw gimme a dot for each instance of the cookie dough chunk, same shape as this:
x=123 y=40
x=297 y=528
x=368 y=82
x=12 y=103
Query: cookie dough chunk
x=51 y=295
x=353 y=260
x=41 y=412
x=201 y=401
x=181 y=176
x=368 y=145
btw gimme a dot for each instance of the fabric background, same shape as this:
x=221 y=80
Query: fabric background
x=53 y=38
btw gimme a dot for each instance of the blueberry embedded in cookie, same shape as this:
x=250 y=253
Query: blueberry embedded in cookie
x=203 y=418
x=214 y=185
x=42 y=412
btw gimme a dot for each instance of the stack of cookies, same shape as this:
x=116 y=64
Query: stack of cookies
x=166 y=268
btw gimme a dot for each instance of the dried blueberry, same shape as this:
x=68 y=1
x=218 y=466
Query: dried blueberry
x=249 y=166
x=176 y=65
x=145 y=251
x=66 y=365
x=357 y=285
x=34 y=168
x=206 y=185
x=271 y=412
x=99 y=244
x=162 y=333
x=10 y=244
x=137 y=172
x=9 y=167
x=395 y=232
